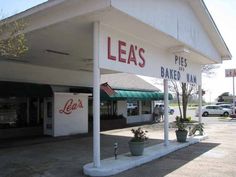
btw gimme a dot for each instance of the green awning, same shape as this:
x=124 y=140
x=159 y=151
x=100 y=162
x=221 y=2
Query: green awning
x=134 y=95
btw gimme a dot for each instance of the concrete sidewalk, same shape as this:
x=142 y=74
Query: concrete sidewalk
x=213 y=157
x=111 y=166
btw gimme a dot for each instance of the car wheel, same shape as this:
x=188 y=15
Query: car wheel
x=205 y=114
x=172 y=112
x=226 y=114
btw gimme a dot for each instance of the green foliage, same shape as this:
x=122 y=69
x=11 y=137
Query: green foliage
x=188 y=119
x=12 y=38
x=139 y=135
x=180 y=123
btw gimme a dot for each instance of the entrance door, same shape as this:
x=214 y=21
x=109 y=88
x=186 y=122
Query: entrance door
x=48 y=116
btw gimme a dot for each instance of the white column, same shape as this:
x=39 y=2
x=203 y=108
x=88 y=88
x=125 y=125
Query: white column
x=233 y=98
x=200 y=104
x=140 y=108
x=166 y=115
x=152 y=106
x=96 y=97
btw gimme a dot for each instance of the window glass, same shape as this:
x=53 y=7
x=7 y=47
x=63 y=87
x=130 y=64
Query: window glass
x=132 y=108
x=49 y=109
x=104 y=108
x=108 y=109
x=146 y=107
x=17 y=112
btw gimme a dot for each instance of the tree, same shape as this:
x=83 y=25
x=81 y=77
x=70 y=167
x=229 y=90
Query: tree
x=184 y=90
x=209 y=70
x=12 y=38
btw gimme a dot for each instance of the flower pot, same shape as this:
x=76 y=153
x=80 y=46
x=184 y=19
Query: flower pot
x=181 y=135
x=136 y=148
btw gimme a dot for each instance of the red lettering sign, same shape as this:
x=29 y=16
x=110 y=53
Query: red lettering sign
x=129 y=54
x=121 y=51
x=109 y=50
x=71 y=106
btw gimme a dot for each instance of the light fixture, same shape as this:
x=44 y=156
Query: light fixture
x=17 y=60
x=179 y=50
x=57 y=52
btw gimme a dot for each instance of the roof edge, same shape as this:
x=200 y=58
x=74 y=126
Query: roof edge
x=216 y=30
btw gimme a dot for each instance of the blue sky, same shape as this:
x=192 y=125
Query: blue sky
x=223 y=13
x=10 y=7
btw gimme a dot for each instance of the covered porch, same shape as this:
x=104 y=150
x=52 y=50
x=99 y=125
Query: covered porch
x=73 y=42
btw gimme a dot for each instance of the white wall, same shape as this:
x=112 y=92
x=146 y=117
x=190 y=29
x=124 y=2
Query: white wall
x=122 y=108
x=139 y=118
x=69 y=118
x=174 y=17
x=19 y=72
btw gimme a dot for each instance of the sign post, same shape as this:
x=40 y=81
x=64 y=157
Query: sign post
x=231 y=73
x=233 y=98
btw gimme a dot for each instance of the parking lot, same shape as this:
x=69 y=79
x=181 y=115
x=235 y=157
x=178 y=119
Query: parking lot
x=65 y=157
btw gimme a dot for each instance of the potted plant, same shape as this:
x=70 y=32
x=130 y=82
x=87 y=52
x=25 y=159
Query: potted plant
x=136 y=144
x=181 y=132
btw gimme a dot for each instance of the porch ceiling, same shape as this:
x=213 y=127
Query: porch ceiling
x=69 y=44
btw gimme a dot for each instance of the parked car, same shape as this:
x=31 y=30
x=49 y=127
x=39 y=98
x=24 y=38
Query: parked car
x=214 y=110
x=220 y=103
x=171 y=110
x=229 y=106
x=131 y=106
x=234 y=109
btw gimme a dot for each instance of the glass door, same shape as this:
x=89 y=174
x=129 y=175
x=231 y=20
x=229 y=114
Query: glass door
x=48 y=116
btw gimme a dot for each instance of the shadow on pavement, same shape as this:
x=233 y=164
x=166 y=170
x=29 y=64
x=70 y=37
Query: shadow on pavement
x=171 y=162
x=48 y=158
x=66 y=156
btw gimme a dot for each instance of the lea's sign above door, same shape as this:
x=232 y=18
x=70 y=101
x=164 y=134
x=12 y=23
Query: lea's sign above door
x=125 y=53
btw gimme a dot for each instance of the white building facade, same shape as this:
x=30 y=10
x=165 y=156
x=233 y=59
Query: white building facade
x=73 y=42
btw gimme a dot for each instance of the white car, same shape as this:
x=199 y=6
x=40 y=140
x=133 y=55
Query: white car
x=229 y=106
x=214 y=110
x=131 y=106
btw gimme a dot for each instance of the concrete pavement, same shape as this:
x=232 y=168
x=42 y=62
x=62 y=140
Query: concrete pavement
x=213 y=157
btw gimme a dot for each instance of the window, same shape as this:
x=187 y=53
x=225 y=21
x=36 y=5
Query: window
x=17 y=112
x=105 y=107
x=146 y=107
x=108 y=109
x=132 y=108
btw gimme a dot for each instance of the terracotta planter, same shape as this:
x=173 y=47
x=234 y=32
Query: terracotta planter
x=136 y=148
x=181 y=135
